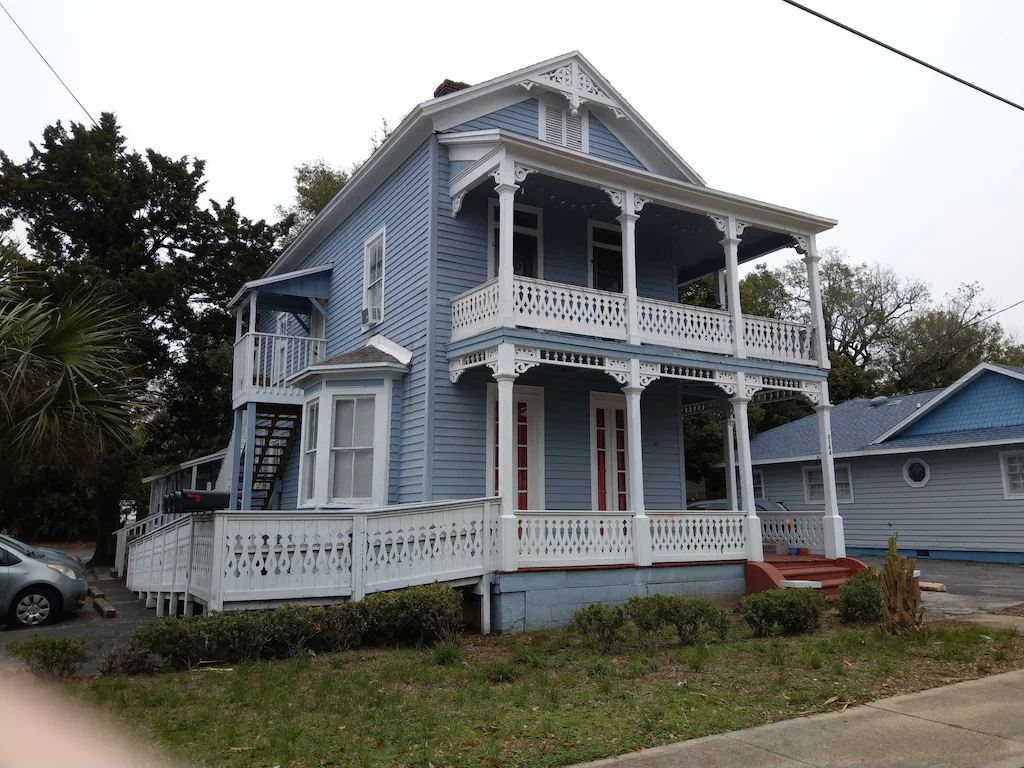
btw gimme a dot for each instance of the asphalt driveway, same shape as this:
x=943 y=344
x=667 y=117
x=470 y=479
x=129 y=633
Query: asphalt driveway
x=971 y=587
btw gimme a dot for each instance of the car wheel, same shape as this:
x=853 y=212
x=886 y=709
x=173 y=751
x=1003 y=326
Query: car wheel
x=35 y=606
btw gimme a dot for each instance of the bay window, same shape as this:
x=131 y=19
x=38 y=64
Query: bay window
x=352 y=448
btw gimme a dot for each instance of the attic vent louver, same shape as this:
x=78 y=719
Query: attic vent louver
x=562 y=128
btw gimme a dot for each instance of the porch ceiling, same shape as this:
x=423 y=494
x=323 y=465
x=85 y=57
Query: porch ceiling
x=289 y=292
x=693 y=238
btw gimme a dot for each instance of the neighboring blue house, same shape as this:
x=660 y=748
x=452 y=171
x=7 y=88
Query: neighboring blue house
x=393 y=360
x=942 y=470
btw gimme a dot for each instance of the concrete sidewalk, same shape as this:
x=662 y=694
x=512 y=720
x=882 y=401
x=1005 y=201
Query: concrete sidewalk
x=977 y=723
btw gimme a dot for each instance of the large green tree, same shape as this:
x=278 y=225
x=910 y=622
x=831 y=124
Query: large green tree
x=136 y=227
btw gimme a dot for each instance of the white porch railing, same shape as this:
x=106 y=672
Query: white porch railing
x=575 y=309
x=575 y=538
x=796 y=529
x=133 y=531
x=680 y=537
x=230 y=560
x=263 y=363
x=680 y=325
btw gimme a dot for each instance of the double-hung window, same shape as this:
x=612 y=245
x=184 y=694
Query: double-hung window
x=814 y=484
x=527 y=249
x=373 y=279
x=605 y=257
x=1013 y=474
x=758 y=484
x=352 y=445
x=310 y=424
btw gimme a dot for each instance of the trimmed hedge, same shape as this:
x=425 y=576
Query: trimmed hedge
x=860 y=599
x=693 y=618
x=412 y=616
x=600 y=624
x=793 y=611
x=54 y=658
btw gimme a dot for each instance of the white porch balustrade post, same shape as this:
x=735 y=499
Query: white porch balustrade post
x=506 y=189
x=755 y=550
x=252 y=311
x=731 y=245
x=729 y=454
x=809 y=248
x=835 y=538
x=234 y=459
x=505 y=375
x=250 y=455
x=220 y=544
x=358 y=555
x=627 y=219
x=642 y=540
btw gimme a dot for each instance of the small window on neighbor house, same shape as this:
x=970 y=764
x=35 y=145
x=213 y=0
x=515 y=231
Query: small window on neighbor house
x=309 y=451
x=758 y=484
x=1013 y=474
x=373 y=279
x=814 y=484
x=352 y=444
x=916 y=472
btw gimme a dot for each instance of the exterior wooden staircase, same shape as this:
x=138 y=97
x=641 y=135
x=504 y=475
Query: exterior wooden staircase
x=782 y=572
x=277 y=425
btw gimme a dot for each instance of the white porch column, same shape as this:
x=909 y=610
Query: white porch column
x=238 y=324
x=627 y=219
x=250 y=455
x=835 y=538
x=755 y=551
x=809 y=248
x=506 y=189
x=731 y=245
x=642 y=546
x=252 y=312
x=729 y=455
x=505 y=375
x=234 y=459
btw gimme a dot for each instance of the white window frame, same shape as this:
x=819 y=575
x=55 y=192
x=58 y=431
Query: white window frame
x=758 y=476
x=817 y=468
x=616 y=401
x=325 y=398
x=927 y=472
x=381 y=235
x=492 y=234
x=534 y=398
x=304 y=449
x=1004 y=466
x=591 y=226
x=544 y=105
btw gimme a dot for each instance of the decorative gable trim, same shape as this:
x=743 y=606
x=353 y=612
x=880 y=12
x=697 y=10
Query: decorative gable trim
x=952 y=389
x=575 y=83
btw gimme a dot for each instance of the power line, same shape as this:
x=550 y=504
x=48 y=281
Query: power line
x=897 y=51
x=66 y=88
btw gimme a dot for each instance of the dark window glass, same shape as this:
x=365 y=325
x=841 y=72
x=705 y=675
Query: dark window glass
x=524 y=254
x=917 y=472
x=607 y=269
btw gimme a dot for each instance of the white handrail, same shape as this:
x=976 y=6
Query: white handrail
x=263 y=362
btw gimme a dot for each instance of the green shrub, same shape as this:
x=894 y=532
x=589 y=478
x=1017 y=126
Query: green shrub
x=413 y=616
x=649 y=615
x=694 y=618
x=446 y=654
x=340 y=627
x=860 y=599
x=51 y=657
x=183 y=641
x=600 y=624
x=125 y=657
x=700 y=655
x=792 y=610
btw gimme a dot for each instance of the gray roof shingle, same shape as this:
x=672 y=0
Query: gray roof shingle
x=357 y=356
x=855 y=424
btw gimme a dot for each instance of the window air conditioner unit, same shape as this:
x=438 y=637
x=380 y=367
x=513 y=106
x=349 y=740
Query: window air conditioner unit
x=371 y=315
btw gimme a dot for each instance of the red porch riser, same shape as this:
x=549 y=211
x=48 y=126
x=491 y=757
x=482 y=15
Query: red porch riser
x=776 y=569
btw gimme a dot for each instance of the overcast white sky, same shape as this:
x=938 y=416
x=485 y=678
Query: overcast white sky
x=761 y=98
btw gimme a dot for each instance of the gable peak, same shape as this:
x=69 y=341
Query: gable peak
x=576 y=83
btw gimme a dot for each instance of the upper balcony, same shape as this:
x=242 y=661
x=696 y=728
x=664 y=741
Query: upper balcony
x=550 y=306
x=599 y=250
x=264 y=362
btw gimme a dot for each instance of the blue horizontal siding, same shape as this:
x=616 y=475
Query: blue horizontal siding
x=518 y=118
x=605 y=145
x=401 y=204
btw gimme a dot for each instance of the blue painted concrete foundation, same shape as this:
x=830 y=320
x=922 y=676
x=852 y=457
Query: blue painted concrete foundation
x=1016 y=558
x=532 y=600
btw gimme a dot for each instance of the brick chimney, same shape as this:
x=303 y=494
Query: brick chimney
x=449 y=86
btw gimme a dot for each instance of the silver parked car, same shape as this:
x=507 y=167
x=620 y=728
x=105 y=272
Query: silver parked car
x=761 y=505
x=37 y=588
x=20 y=546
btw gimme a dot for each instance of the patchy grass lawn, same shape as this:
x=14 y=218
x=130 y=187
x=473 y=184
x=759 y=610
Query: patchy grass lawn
x=541 y=699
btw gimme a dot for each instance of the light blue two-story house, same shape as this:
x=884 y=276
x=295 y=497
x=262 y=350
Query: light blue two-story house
x=472 y=366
